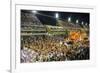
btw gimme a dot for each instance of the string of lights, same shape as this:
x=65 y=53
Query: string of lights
x=58 y=18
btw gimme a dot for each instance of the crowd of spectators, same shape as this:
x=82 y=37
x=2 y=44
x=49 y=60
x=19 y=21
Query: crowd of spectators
x=51 y=48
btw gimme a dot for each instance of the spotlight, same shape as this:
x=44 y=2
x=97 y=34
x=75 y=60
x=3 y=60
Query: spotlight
x=86 y=24
x=57 y=15
x=34 y=11
x=69 y=19
x=77 y=21
x=82 y=23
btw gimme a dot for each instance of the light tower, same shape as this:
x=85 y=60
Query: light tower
x=82 y=23
x=57 y=18
x=69 y=19
x=86 y=24
x=56 y=15
x=34 y=11
x=77 y=21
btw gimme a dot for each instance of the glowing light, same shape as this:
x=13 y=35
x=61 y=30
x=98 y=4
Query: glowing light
x=34 y=11
x=69 y=19
x=57 y=15
x=86 y=24
x=77 y=21
x=82 y=23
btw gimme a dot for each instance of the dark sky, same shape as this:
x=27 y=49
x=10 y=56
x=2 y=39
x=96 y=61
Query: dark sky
x=64 y=16
x=85 y=17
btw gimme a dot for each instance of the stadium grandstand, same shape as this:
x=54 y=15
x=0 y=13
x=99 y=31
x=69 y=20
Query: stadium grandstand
x=53 y=36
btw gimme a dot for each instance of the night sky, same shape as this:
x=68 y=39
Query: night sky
x=85 y=17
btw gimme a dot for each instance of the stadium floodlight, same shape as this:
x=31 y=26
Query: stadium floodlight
x=69 y=19
x=77 y=21
x=57 y=15
x=82 y=23
x=86 y=24
x=34 y=11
